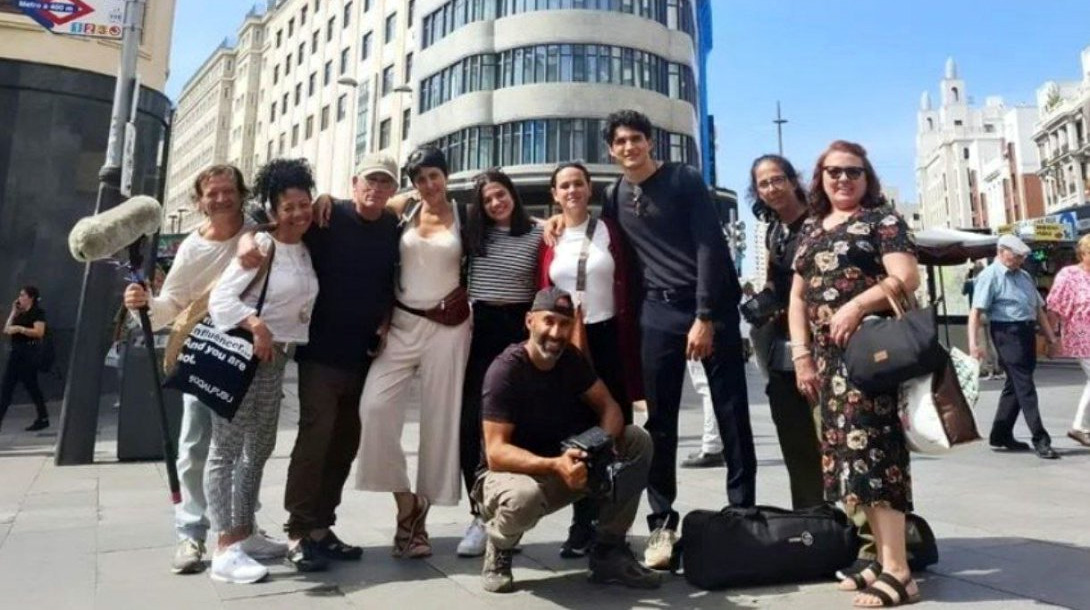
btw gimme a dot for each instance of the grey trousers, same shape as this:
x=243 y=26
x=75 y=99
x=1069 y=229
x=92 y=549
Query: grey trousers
x=512 y=504
x=240 y=448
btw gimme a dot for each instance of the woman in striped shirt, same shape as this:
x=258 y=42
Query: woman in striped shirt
x=502 y=242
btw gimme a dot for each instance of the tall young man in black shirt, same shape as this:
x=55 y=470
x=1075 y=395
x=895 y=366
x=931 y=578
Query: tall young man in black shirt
x=537 y=394
x=690 y=311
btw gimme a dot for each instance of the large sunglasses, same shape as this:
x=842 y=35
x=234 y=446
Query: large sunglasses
x=853 y=173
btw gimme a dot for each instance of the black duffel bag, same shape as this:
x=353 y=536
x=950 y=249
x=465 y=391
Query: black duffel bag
x=764 y=545
x=883 y=353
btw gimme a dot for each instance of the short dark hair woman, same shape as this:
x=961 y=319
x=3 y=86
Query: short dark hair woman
x=26 y=327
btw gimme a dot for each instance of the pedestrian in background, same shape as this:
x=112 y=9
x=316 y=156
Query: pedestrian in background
x=989 y=366
x=851 y=242
x=1007 y=294
x=502 y=243
x=26 y=327
x=1069 y=304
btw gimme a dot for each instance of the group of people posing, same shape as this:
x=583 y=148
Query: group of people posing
x=481 y=304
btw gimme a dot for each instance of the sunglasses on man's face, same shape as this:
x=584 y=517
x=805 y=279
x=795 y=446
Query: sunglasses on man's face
x=853 y=173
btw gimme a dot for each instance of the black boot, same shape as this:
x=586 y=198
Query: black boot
x=39 y=424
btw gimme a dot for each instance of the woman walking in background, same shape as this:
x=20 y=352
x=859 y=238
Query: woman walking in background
x=1069 y=302
x=851 y=242
x=26 y=327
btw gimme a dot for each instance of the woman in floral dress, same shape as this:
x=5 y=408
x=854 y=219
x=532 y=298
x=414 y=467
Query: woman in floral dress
x=852 y=241
x=1069 y=302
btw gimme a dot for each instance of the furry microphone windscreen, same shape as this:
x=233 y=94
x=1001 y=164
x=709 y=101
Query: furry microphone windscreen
x=104 y=235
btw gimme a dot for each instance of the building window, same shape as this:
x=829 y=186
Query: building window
x=314 y=42
x=965 y=152
x=325 y=117
x=280 y=149
x=957 y=123
x=391 y=24
x=329 y=28
x=276 y=73
x=298 y=93
x=409 y=14
x=344 y=61
x=303 y=15
x=299 y=55
x=309 y=132
x=272 y=112
x=279 y=37
x=327 y=72
x=312 y=83
x=295 y=135
x=284 y=104
x=387 y=79
x=366 y=5
x=287 y=65
x=408 y=67
x=347 y=14
x=406 y=123
x=342 y=103
x=384 y=134
x=291 y=27
x=365 y=47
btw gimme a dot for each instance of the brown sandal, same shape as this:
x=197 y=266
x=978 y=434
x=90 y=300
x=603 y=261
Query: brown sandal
x=859 y=580
x=407 y=527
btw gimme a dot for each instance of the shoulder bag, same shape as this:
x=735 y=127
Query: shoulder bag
x=218 y=366
x=883 y=353
x=936 y=414
x=453 y=309
x=579 y=338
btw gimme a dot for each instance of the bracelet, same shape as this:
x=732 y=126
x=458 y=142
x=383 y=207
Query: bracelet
x=800 y=349
x=798 y=357
x=800 y=344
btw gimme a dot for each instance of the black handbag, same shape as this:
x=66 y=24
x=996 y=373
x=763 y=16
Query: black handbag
x=883 y=353
x=764 y=545
x=218 y=366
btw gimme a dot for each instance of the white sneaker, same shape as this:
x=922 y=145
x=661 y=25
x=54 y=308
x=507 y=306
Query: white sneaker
x=235 y=566
x=475 y=540
x=262 y=546
x=660 y=547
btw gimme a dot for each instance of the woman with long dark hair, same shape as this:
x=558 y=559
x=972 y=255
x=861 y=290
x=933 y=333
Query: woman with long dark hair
x=26 y=327
x=853 y=241
x=240 y=447
x=502 y=243
x=590 y=262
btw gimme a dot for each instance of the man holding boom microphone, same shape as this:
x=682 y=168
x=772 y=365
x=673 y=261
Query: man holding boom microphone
x=218 y=192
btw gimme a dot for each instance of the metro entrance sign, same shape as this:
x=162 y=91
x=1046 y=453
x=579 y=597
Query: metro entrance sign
x=92 y=18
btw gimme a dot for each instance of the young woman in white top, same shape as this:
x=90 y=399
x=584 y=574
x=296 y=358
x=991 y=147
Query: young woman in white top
x=608 y=306
x=218 y=193
x=431 y=270
x=241 y=446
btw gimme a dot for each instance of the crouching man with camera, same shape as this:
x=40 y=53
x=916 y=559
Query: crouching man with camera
x=552 y=435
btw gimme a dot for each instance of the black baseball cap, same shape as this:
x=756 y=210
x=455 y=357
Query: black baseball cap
x=555 y=300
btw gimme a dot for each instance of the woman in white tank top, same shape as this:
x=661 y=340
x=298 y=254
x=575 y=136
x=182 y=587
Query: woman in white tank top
x=429 y=333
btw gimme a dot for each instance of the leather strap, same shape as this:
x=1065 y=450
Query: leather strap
x=584 y=254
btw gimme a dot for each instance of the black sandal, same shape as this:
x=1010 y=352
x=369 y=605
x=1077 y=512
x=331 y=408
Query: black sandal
x=898 y=587
x=858 y=579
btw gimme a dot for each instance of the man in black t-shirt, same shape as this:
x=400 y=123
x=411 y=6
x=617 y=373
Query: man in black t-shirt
x=536 y=395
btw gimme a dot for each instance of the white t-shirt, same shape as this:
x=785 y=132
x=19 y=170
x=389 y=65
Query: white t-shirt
x=598 y=303
x=293 y=288
x=197 y=264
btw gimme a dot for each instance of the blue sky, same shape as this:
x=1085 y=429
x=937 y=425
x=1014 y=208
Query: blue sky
x=851 y=69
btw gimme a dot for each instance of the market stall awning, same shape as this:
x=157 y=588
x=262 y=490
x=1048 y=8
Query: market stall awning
x=942 y=246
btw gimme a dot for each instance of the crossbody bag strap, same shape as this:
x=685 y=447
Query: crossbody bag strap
x=266 y=269
x=584 y=254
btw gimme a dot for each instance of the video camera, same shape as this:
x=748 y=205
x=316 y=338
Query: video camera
x=603 y=467
x=761 y=308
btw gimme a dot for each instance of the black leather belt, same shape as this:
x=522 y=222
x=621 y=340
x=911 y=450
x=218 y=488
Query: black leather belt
x=671 y=295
